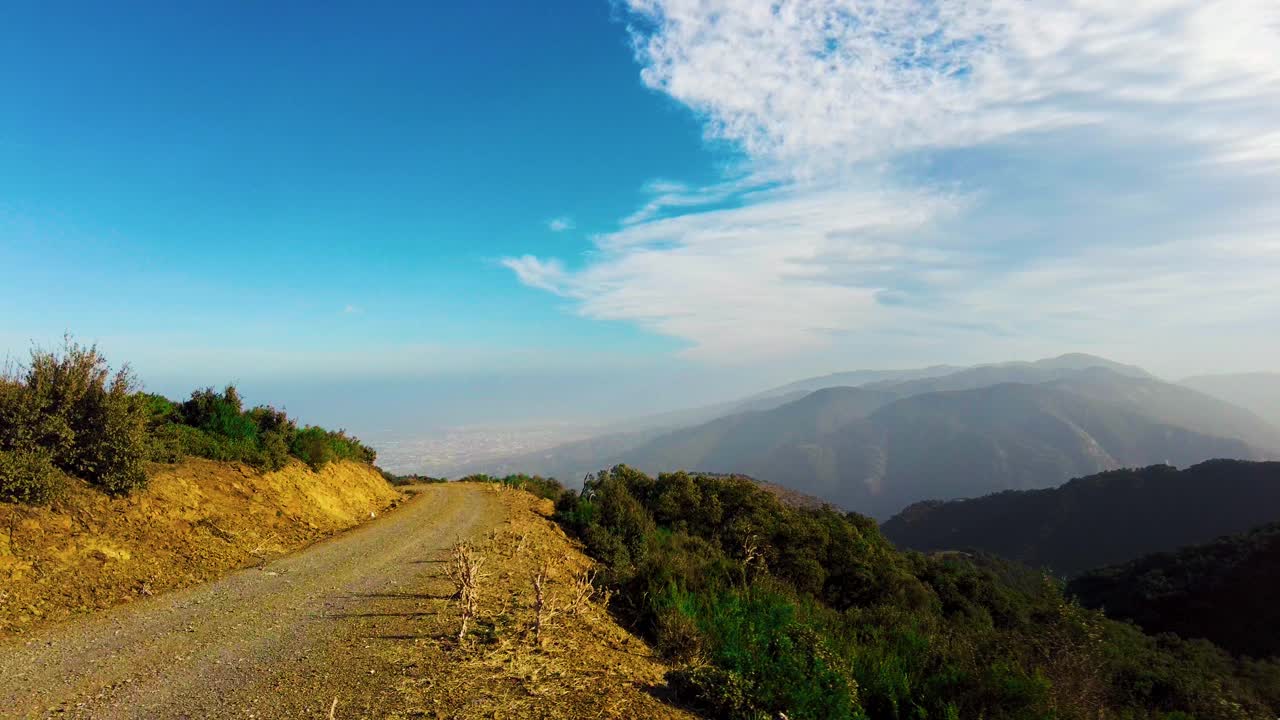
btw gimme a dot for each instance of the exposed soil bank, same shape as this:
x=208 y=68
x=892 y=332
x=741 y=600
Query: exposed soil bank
x=194 y=522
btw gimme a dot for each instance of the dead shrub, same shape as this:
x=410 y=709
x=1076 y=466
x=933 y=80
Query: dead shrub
x=543 y=608
x=680 y=641
x=464 y=570
x=581 y=591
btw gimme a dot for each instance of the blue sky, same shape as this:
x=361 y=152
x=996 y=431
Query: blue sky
x=240 y=176
x=584 y=208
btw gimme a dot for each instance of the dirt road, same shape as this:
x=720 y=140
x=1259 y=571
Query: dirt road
x=281 y=641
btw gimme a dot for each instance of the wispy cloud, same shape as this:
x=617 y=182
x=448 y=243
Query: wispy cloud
x=1080 y=173
x=351 y=310
x=560 y=224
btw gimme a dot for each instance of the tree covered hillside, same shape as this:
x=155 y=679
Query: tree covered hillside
x=767 y=608
x=1227 y=591
x=1099 y=520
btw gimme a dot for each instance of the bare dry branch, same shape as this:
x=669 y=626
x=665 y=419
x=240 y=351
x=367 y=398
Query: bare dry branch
x=464 y=571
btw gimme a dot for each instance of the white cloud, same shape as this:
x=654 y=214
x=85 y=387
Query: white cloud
x=546 y=275
x=815 y=85
x=351 y=310
x=560 y=224
x=1081 y=172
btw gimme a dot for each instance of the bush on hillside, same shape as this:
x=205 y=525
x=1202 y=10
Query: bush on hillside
x=68 y=413
x=28 y=476
x=70 y=408
x=215 y=425
x=812 y=613
x=318 y=447
x=547 y=488
x=410 y=479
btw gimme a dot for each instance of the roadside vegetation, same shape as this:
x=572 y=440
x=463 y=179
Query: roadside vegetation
x=546 y=488
x=67 y=413
x=411 y=479
x=767 y=609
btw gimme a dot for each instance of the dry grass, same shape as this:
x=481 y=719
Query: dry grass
x=541 y=644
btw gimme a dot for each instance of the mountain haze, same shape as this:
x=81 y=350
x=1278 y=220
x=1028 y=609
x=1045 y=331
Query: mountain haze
x=1258 y=392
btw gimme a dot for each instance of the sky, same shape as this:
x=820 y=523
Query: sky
x=433 y=213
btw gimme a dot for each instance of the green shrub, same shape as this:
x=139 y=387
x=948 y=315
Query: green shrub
x=312 y=445
x=547 y=488
x=716 y=692
x=318 y=447
x=28 y=477
x=219 y=414
x=411 y=479
x=87 y=420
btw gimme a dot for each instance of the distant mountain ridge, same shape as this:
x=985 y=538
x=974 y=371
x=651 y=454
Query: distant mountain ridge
x=866 y=450
x=1103 y=519
x=901 y=437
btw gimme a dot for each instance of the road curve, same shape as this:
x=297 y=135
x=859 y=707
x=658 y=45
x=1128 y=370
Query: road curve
x=280 y=641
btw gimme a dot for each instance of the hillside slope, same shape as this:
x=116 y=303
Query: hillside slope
x=773 y=610
x=1177 y=405
x=1100 y=520
x=748 y=439
x=193 y=522
x=1226 y=591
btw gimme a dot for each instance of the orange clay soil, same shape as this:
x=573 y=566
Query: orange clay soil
x=193 y=522
x=587 y=666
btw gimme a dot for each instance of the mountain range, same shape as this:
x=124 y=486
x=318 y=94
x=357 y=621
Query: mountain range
x=895 y=438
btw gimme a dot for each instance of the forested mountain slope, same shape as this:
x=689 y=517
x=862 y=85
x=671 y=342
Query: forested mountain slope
x=1227 y=591
x=1103 y=519
x=771 y=610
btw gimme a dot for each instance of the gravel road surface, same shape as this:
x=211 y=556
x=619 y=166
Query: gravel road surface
x=280 y=641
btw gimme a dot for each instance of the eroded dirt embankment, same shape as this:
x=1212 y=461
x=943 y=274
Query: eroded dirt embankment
x=584 y=665
x=194 y=522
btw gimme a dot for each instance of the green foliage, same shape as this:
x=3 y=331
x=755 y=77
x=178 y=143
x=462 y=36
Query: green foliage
x=28 y=476
x=216 y=426
x=219 y=414
x=1227 y=591
x=548 y=488
x=812 y=613
x=318 y=447
x=69 y=410
x=410 y=479
x=774 y=661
